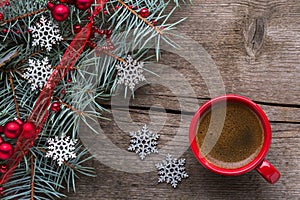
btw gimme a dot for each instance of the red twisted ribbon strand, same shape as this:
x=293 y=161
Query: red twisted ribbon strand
x=40 y=112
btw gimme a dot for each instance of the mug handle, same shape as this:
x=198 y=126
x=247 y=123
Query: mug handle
x=268 y=172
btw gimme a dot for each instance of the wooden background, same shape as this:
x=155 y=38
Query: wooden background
x=256 y=46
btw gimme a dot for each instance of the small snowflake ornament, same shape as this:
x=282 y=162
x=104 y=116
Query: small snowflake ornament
x=61 y=149
x=130 y=73
x=38 y=73
x=171 y=170
x=45 y=33
x=143 y=142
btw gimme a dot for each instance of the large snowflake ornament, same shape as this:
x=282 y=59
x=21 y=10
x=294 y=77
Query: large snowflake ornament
x=143 y=142
x=45 y=33
x=61 y=149
x=38 y=73
x=130 y=72
x=171 y=170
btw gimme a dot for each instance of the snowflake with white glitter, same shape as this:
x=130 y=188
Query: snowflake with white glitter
x=171 y=170
x=45 y=33
x=61 y=149
x=130 y=73
x=38 y=73
x=143 y=142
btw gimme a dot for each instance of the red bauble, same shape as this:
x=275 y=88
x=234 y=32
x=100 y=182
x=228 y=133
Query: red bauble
x=29 y=130
x=83 y=4
x=6 y=150
x=60 y=12
x=12 y=129
x=55 y=106
x=144 y=12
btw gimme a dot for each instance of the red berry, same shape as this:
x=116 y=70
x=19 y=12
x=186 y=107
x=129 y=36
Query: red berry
x=71 y=1
x=55 y=106
x=77 y=28
x=1 y=16
x=144 y=12
x=50 y=5
x=3 y=168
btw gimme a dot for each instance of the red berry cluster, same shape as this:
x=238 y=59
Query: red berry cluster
x=61 y=12
x=12 y=130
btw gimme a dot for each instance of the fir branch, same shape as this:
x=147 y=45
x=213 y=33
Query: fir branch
x=14 y=95
x=140 y=17
x=79 y=112
x=23 y=16
x=95 y=78
x=8 y=57
x=114 y=56
x=32 y=177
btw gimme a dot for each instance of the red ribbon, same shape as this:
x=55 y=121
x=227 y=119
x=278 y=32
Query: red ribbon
x=39 y=115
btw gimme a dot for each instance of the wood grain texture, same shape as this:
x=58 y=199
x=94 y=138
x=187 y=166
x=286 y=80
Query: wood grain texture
x=256 y=46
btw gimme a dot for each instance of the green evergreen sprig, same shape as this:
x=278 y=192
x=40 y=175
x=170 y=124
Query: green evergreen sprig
x=93 y=77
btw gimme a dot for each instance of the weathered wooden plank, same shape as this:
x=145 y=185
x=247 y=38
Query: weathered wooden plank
x=272 y=75
x=115 y=184
x=255 y=45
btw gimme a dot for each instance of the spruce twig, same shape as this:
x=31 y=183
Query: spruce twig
x=14 y=95
x=23 y=16
x=32 y=177
x=140 y=17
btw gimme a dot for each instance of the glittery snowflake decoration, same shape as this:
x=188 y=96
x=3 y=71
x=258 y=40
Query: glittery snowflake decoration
x=45 y=33
x=61 y=149
x=38 y=73
x=130 y=73
x=143 y=142
x=171 y=170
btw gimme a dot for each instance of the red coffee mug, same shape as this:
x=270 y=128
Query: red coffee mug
x=266 y=170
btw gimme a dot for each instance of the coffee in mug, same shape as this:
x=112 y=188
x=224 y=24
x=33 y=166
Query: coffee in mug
x=233 y=142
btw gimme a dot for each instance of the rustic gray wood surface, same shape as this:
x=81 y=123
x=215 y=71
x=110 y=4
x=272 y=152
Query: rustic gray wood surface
x=256 y=46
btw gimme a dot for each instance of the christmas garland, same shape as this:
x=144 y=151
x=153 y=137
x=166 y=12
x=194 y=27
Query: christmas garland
x=47 y=52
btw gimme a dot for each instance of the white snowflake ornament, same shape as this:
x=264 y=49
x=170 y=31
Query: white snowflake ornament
x=130 y=73
x=143 y=142
x=61 y=149
x=38 y=73
x=171 y=170
x=45 y=33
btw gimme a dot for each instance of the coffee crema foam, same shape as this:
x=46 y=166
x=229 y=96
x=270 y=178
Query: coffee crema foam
x=232 y=143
